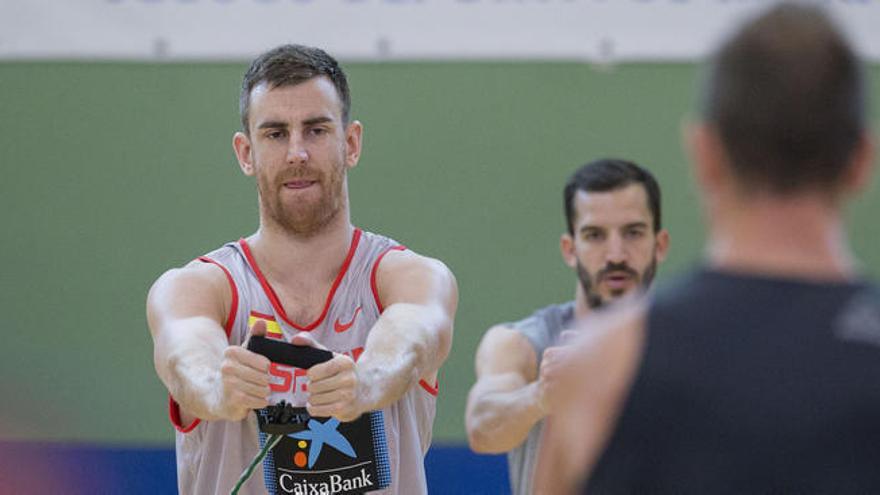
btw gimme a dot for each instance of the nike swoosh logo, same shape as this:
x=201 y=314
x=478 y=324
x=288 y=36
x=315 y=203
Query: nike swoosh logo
x=341 y=327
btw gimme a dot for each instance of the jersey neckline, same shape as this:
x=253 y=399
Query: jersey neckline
x=273 y=297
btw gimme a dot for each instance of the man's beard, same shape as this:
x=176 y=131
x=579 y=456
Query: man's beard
x=304 y=220
x=594 y=299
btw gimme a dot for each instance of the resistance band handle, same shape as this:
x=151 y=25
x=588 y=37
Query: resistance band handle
x=300 y=356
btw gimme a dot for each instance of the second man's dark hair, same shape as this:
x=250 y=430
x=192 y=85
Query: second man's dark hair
x=610 y=174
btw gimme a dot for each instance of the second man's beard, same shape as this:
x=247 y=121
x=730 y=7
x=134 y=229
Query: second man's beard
x=588 y=282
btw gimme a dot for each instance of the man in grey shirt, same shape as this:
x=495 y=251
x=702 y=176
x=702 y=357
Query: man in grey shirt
x=613 y=243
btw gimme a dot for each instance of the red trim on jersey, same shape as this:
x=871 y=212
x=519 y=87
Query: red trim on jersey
x=174 y=414
x=173 y=406
x=230 y=320
x=431 y=390
x=273 y=298
x=375 y=269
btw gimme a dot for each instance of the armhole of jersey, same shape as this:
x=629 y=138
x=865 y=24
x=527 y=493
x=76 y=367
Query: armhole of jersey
x=374 y=271
x=174 y=416
x=431 y=389
x=173 y=406
x=233 y=306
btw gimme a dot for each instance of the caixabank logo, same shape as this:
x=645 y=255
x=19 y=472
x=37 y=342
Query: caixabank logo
x=327 y=457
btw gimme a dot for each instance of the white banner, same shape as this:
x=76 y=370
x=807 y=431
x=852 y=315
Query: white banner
x=590 y=30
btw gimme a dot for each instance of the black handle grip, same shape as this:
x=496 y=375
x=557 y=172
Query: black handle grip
x=301 y=356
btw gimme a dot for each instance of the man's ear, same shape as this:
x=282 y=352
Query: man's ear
x=566 y=248
x=241 y=144
x=707 y=157
x=861 y=165
x=662 y=245
x=353 y=143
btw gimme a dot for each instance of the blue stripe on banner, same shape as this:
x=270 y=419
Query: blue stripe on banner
x=77 y=469
x=380 y=446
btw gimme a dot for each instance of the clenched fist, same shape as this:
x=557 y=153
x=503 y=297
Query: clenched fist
x=333 y=386
x=555 y=376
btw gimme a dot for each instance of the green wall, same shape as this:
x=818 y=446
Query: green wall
x=114 y=172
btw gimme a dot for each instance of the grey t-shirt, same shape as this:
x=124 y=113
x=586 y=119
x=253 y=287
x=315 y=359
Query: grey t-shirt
x=542 y=329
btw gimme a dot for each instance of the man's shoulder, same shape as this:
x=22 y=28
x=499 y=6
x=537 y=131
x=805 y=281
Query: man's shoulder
x=228 y=251
x=543 y=326
x=703 y=284
x=706 y=295
x=380 y=241
x=214 y=268
x=547 y=316
x=389 y=255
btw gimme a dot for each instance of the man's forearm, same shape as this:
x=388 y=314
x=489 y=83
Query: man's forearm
x=500 y=419
x=407 y=343
x=188 y=362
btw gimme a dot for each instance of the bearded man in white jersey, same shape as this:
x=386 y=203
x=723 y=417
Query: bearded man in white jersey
x=307 y=276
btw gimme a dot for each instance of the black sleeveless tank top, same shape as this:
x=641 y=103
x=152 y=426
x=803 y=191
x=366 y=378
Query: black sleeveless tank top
x=752 y=385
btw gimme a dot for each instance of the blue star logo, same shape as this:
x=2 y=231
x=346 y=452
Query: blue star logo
x=320 y=433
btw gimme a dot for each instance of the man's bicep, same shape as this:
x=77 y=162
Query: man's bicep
x=406 y=277
x=505 y=364
x=505 y=351
x=195 y=294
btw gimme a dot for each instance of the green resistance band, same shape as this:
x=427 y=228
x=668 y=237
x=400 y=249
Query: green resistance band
x=271 y=442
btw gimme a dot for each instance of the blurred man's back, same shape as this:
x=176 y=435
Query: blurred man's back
x=757 y=372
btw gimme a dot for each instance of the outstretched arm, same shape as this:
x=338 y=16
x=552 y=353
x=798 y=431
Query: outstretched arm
x=207 y=377
x=505 y=402
x=511 y=393
x=409 y=342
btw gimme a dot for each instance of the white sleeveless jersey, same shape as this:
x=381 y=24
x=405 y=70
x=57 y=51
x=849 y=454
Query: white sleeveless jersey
x=211 y=455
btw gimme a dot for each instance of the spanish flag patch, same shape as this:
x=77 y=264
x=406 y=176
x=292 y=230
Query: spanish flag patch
x=273 y=329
